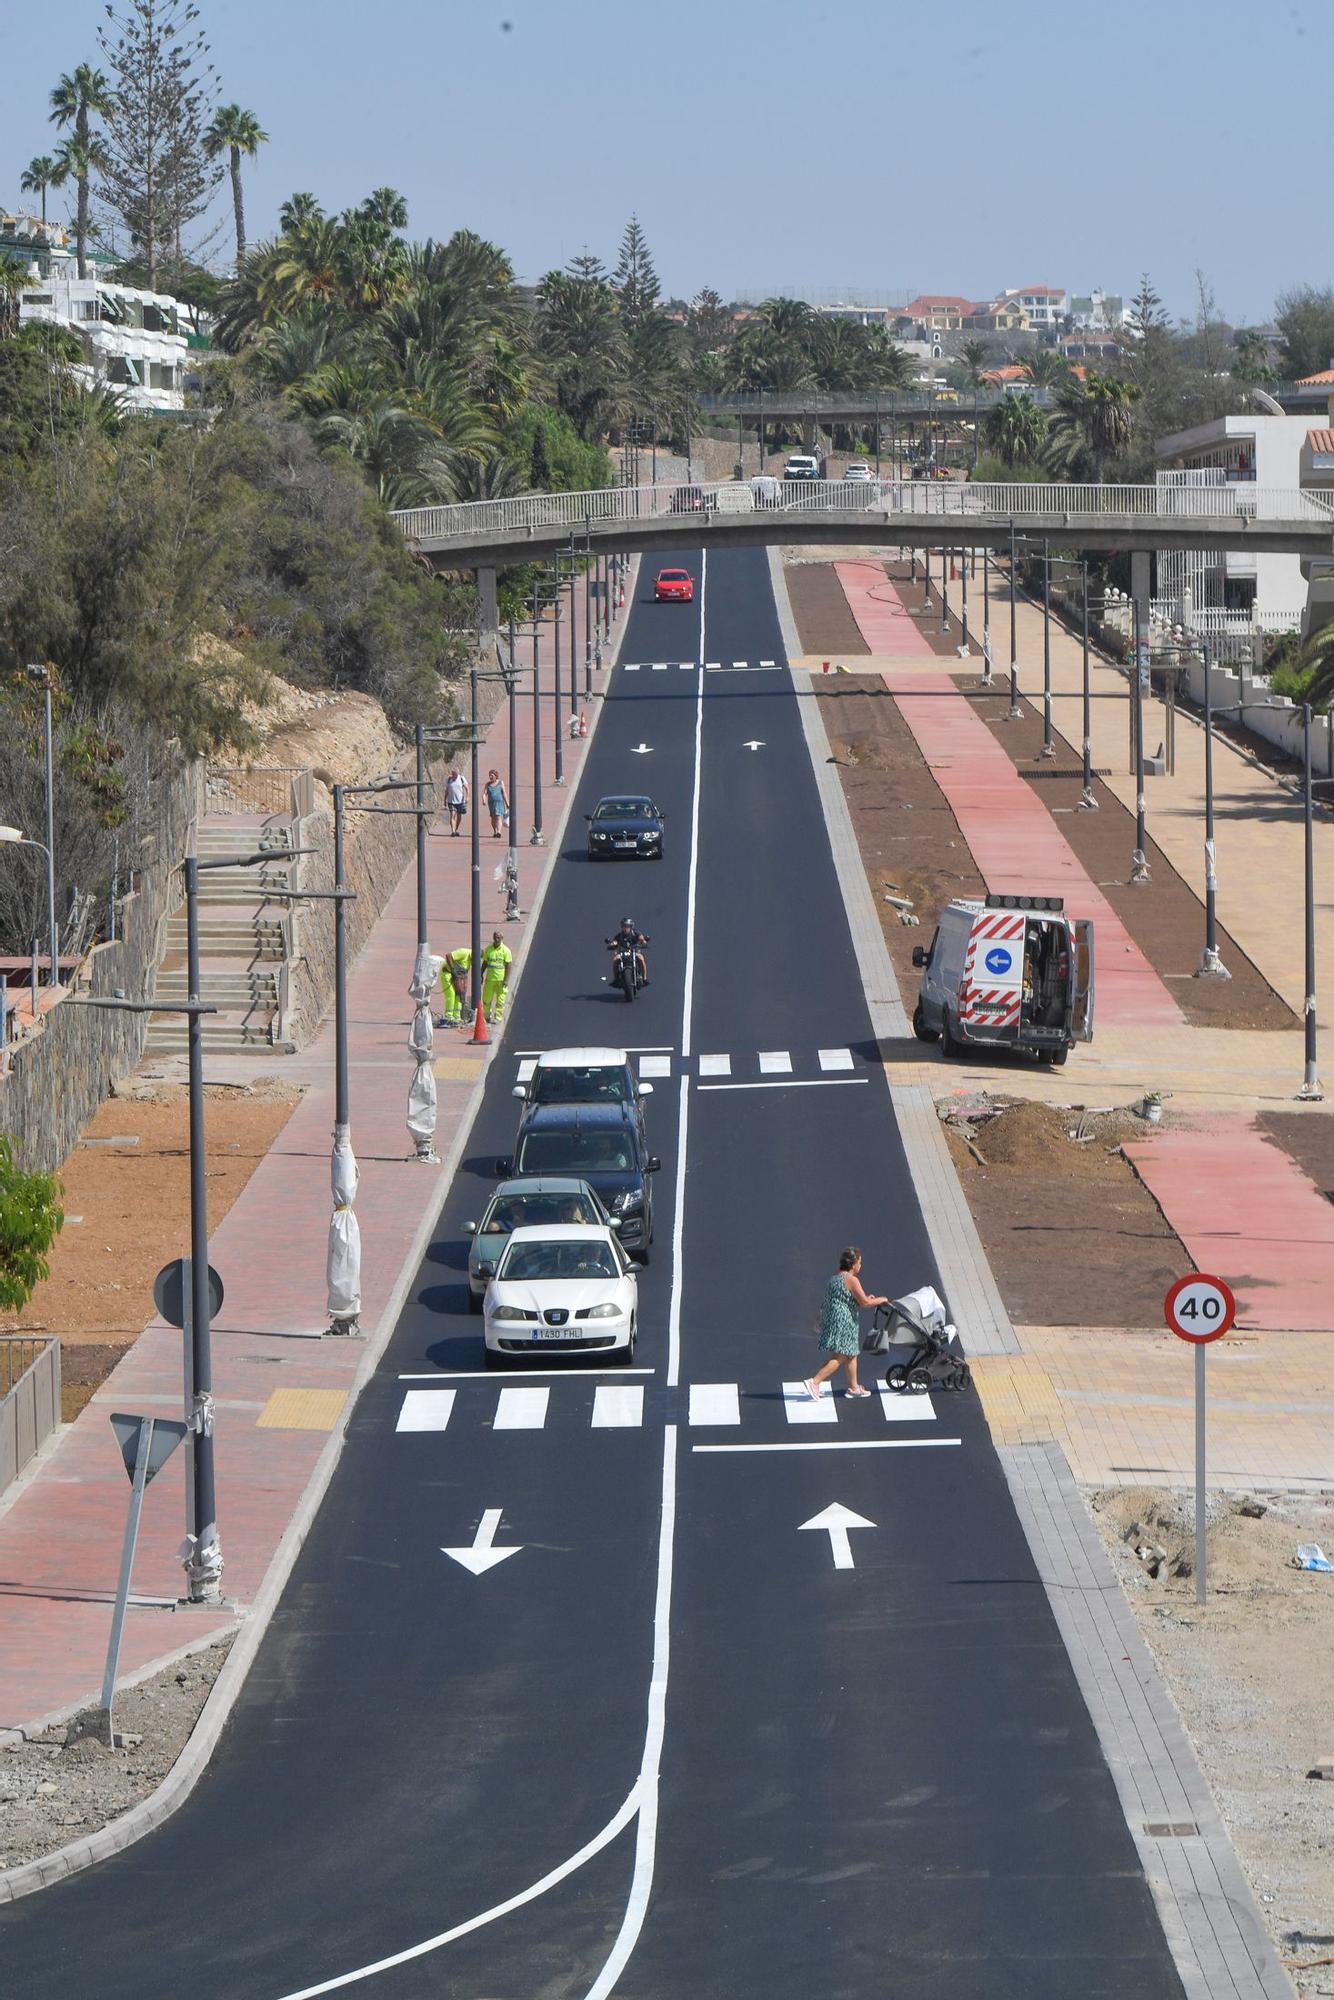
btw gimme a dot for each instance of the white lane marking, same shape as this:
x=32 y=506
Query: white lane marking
x=739 y=665
x=481 y=1554
x=910 y=1408
x=641 y=749
x=521 y=1409
x=755 y=743
x=835 y=1444
x=799 y=1409
x=689 y=666
x=712 y=666
x=617 y=1409
x=775 y=1062
x=425 y=1410
x=765 y=663
x=715 y=1403
x=526 y=1068
x=678 y=1233
x=659 y=666
x=654 y=1066
x=835 y=1521
x=492 y=1374
x=692 y=879
x=790 y=1083
x=835 y=1058
x=715 y=1065
x=632 y=667
x=646 y=1789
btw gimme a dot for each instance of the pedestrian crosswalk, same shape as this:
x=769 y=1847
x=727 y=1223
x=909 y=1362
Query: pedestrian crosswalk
x=726 y=1066
x=606 y=1406
x=694 y=666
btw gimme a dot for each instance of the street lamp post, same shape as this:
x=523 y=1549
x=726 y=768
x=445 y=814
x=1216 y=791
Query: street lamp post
x=1211 y=965
x=588 y=609
x=1015 y=712
x=41 y=675
x=574 y=630
x=965 y=649
x=556 y=730
x=986 y=616
x=1087 y=800
x=946 y=558
x=13 y=836
x=1310 y=1091
x=1048 y=740
x=1139 y=862
x=536 y=838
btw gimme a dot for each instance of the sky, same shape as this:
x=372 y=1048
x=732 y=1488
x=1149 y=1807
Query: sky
x=822 y=148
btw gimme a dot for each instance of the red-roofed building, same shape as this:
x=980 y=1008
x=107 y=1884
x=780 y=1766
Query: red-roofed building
x=1323 y=379
x=1045 y=305
x=935 y=312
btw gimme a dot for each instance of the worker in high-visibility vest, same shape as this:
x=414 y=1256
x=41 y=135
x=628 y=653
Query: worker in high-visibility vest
x=497 y=959
x=454 y=970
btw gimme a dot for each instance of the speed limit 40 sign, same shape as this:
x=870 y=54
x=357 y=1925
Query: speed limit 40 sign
x=1199 y=1308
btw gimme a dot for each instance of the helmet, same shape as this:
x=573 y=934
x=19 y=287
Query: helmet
x=627 y=923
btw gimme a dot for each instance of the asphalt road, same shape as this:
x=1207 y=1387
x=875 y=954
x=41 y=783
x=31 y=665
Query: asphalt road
x=694 y=1756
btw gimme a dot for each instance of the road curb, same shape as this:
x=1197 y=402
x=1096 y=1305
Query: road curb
x=190 y=1766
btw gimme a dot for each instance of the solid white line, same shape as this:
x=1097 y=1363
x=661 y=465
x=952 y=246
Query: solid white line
x=678 y=1234
x=775 y=1062
x=790 y=1083
x=835 y=1058
x=799 y=1409
x=521 y=1409
x=715 y=1065
x=715 y=1403
x=495 y=1374
x=692 y=880
x=646 y=1789
x=616 y=1408
x=835 y=1444
x=425 y=1410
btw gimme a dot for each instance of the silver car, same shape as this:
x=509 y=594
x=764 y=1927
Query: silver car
x=524 y=1203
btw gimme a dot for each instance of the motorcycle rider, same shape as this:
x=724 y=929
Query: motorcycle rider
x=629 y=935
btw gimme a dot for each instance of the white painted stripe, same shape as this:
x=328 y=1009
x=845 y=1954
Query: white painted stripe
x=738 y=664
x=799 y=1409
x=713 y=666
x=692 y=878
x=425 y=1410
x=491 y=1374
x=775 y=1062
x=791 y=1083
x=617 y=1409
x=830 y=1444
x=651 y=1067
x=715 y=1065
x=689 y=666
x=766 y=663
x=678 y=1233
x=659 y=666
x=835 y=1059
x=632 y=668
x=526 y=1068
x=715 y=1403
x=521 y=1409
x=906 y=1409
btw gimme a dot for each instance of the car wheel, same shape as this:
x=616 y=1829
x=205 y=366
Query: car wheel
x=1058 y=1056
x=494 y=1360
x=475 y=1300
x=949 y=1047
x=623 y=1356
x=919 y=1027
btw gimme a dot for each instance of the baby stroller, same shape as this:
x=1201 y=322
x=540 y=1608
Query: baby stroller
x=914 y=1331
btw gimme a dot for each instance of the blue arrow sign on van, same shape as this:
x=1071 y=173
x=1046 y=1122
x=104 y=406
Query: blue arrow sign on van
x=999 y=960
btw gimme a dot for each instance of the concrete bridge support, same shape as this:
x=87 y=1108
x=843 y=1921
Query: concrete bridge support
x=488 y=616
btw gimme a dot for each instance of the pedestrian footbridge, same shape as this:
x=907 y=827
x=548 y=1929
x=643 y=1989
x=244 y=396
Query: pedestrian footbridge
x=949 y=514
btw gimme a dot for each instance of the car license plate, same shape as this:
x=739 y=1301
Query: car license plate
x=623 y=843
x=552 y=1333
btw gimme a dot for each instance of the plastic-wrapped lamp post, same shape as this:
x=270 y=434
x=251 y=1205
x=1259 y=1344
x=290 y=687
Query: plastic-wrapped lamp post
x=343 y=1263
x=421 y=1041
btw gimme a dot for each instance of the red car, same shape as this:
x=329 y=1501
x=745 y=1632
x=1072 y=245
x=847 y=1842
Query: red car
x=674 y=586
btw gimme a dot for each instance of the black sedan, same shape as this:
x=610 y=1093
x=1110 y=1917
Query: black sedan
x=624 y=826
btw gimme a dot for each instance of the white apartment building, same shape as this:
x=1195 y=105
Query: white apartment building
x=1097 y=312
x=1268 y=589
x=1044 y=306
x=134 y=342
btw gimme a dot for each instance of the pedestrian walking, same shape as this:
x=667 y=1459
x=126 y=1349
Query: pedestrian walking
x=496 y=961
x=497 y=802
x=456 y=800
x=839 y=1327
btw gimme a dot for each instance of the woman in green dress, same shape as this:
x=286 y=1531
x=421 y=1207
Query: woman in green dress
x=840 y=1330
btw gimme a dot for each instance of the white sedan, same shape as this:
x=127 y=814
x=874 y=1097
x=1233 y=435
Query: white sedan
x=562 y=1289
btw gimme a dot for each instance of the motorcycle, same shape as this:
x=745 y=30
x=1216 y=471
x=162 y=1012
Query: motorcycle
x=625 y=966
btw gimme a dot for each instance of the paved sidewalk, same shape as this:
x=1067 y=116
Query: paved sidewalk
x=280 y=1390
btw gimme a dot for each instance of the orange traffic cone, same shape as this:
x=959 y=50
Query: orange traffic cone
x=479 y=1033
x=583 y=723
x=620 y=602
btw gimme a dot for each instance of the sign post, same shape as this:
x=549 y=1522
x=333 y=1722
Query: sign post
x=146 y=1443
x=1198 y=1309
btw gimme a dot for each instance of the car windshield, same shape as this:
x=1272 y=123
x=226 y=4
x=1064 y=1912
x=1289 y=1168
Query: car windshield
x=595 y=1151
x=580 y=1086
x=559 y=1258
x=637 y=809
x=673 y=576
x=522 y=1211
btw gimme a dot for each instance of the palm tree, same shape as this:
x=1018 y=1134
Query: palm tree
x=76 y=99
x=1318 y=653
x=974 y=358
x=1046 y=369
x=1014 y=429
x=38 y=176
x=13 y=278
x=235 y=132
x=1109 y=422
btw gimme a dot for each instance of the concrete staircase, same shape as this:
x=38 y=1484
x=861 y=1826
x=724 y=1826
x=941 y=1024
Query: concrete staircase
x=245 y=944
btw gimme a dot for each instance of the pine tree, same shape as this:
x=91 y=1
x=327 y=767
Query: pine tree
x=157 y=179
x=588 y=267
x=635 y=279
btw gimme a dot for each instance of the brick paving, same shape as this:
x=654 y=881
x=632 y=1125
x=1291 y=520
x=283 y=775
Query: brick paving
x=280 y=1389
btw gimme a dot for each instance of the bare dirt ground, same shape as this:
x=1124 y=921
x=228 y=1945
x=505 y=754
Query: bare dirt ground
x=1250 y=1672
x=127 y=1214
x=64 y=1784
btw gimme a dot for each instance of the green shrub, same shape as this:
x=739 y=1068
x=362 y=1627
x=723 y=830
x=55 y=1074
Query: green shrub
x=31 y=1218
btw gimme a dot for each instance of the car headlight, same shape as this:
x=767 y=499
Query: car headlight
x=648 y=836
x=625 y=1203
x=510 y=1312
x=603 y=1312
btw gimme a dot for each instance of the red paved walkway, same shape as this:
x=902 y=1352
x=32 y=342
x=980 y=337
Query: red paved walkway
x=1011 y=835
x=1247 y=1213
x=60 y=1534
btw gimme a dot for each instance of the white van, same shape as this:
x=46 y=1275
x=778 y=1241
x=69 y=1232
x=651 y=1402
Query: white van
x=1013 y=972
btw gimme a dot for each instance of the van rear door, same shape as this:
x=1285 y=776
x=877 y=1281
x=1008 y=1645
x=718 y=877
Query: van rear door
x=1081 y=997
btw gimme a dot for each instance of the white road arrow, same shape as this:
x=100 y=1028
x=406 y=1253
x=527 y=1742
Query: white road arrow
x=836 y=1520
x=753 y=746
x=482 y=1556
x=641 y=749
